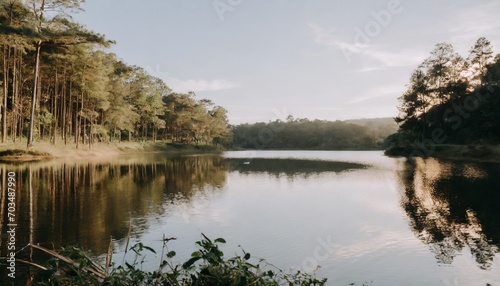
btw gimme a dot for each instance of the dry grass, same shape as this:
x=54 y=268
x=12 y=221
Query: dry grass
x=43 y=150
x=46 y=149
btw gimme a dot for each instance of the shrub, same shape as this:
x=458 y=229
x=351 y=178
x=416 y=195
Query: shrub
x=207 y=266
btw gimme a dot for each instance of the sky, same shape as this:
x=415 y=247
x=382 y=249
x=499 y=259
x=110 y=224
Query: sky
x=266 y=59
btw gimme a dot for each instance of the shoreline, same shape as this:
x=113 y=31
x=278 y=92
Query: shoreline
x=476 y=153
x=17 y=152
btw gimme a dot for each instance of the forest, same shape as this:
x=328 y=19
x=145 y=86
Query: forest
x=58 y=83
x=305 y=134
x=451 y=99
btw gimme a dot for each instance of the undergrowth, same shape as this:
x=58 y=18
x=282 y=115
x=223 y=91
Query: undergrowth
x=207 y=266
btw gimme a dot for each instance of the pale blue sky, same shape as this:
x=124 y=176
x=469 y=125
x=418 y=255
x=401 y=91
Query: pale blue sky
x=264 y=59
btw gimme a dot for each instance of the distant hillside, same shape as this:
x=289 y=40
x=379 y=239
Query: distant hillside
x=383 y=127
x=359 y=134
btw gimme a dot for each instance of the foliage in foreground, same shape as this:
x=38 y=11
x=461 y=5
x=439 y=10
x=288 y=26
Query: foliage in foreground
x=207 y=266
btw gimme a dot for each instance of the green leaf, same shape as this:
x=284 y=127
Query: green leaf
x=149 y=248
x=190 y=262
x=171 y=254
x=208 y=239
x=220 y=240
x=212 y=257
x=129 y=265
x=247 y=256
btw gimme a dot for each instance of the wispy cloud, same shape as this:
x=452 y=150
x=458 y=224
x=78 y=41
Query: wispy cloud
x=322 y=35
x=379 y=57
x=187 y=85
x=478 y=20
x=391 y=91
x=466 y=18
x=196 y=85
x=393 y=59
x=370 y=69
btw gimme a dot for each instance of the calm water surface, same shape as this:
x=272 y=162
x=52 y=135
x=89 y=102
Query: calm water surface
x=358 y=216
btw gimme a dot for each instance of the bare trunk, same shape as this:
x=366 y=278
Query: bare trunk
x=34 y=96
x=15 y=95
x=5 y=91
x=70 y=115
x=36 y=80
x=54 y=127
x=20 y=117
x=90 y=133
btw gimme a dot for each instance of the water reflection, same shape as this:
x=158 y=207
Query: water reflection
x=452 y=206
x=86 y=203
x=291 y=167
x=63 y=203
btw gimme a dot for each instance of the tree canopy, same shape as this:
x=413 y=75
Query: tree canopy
x=452 y=99
x=58 y=81
x=305 y=134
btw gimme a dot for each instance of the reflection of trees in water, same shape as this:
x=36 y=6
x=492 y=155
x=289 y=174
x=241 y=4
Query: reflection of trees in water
x=85 y=203
x=452 y=206
x=291 y=167
x=194 y=174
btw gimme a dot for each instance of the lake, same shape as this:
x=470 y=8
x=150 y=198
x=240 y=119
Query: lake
x=352 y=216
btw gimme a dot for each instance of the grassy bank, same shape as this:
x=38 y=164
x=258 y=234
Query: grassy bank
x=23 y=155
x=45 y=150
x=483 y=153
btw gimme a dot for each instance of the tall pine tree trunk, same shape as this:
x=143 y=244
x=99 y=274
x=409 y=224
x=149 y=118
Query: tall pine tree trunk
x=55 y=113
x=5 y=91
x=34 y=96
x=15 y=95
x=37 y=73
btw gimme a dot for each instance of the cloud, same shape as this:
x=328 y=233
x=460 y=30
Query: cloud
x=370 y=69
x=478 y=19
x=196 y=85
x=388 y=58
x=322 y=36
x=187 y=85
x=473 y=21
x=388 y=91
x=381 y=57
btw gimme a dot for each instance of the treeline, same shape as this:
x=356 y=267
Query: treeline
x=57 y=82
x=305 y=134
x=451 y=99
